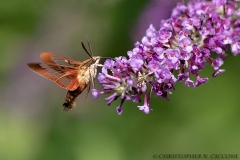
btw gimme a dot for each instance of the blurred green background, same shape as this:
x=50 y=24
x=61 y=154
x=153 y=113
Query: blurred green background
x=204 y=120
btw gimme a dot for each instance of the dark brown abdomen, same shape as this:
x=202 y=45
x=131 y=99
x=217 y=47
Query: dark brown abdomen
x=71 y=97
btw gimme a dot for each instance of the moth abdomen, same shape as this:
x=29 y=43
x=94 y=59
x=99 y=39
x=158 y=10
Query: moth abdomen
x=70 y=100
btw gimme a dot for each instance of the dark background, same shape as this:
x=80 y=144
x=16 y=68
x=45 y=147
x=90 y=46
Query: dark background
x=32 y=124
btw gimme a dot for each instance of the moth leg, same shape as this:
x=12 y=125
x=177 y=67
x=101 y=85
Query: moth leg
x=87 y=92
x=89 y=86
x=92 y=79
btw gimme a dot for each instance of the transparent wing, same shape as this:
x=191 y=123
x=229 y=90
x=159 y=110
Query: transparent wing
x=60 y=75
x=61 y=70
x=53 y=58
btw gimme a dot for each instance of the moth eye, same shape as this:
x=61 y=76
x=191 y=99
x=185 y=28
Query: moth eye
x=93 y=61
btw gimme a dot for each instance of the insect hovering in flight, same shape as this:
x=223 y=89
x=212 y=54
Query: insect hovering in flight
x=69 y=74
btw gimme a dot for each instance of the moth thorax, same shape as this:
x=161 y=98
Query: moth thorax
x=93 y=67
x=89 y=72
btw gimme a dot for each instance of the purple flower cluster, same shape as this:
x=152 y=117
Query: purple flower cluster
x=196 y=34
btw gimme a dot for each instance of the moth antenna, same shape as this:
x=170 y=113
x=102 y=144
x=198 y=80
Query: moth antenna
x=86 y=49
x=89 y=46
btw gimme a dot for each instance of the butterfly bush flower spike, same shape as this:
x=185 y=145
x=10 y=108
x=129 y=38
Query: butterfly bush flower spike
x=196 y=34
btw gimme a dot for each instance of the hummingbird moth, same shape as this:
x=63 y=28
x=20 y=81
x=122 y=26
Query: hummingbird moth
x=69 y=74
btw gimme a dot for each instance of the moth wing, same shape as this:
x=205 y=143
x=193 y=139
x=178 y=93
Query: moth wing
x=69 y=81
x=60 y=75
x=63 y=71
x=53 y=58
x=43 y=70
